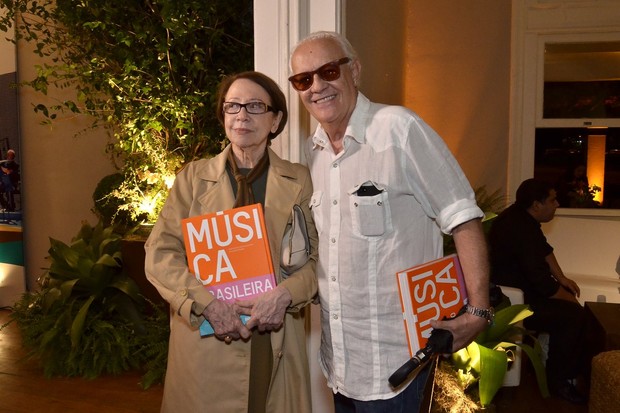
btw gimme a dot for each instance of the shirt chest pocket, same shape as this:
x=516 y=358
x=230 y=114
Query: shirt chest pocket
x=370 y=210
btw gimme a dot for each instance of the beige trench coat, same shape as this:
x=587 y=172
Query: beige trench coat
x=205 y=374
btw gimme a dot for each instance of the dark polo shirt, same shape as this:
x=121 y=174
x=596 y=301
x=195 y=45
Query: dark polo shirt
x=518 y=249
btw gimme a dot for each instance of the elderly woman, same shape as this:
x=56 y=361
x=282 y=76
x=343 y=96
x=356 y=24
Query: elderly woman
x=261 y=366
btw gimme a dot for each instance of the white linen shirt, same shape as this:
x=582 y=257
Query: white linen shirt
x=365 y=240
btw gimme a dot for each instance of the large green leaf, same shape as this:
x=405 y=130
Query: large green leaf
x=535 y=357
x=51 y=296
x=77 y=327
x=109 y=246
x=467 y=364
x=82 y=248
x=61 y=252
x=468 y=358
x=60 y=271
x=493 y=367
x=125 y=306
x=109 y=261
x=129 y=287
x=67 y=288
x=102 y=276
x=85 y=266
x=504 y=320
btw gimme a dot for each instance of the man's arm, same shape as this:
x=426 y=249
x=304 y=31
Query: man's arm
x=472 y=251
x=569 y=289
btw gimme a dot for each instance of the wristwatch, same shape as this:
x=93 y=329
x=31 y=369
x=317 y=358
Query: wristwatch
x=486 y=313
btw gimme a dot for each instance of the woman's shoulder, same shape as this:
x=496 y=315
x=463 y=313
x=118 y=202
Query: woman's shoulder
x=286 y=167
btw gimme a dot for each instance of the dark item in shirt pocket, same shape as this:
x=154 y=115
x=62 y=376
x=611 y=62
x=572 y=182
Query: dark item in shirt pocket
x=369 y=190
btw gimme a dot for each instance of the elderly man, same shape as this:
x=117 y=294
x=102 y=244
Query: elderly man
x=385 y=187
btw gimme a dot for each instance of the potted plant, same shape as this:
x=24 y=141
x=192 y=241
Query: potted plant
x=484 y=363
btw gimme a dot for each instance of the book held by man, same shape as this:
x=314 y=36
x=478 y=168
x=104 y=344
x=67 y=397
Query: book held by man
x=228 y=252
x=430 y=291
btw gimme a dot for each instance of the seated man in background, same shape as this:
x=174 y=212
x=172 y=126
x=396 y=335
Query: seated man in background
x=521 y=257
x=9 y=178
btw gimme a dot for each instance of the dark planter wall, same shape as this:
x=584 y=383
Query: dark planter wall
x=133 y=261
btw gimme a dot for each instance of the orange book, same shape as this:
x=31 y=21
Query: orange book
x=228 y=252
x=430 y=291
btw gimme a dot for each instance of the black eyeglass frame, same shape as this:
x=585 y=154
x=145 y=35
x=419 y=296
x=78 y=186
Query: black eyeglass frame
x=267 y=107
x=320 y=71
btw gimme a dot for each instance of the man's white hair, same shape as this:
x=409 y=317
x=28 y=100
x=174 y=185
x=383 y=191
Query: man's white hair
x=342 y=41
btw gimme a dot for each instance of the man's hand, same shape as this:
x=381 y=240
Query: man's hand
x=267 y=310
x=570 y=285
x=464 y=328
x=567 y=285
x=564 y=294
x=225 y=321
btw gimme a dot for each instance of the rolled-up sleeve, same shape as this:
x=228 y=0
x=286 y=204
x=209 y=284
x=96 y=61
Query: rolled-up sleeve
x=458 y=213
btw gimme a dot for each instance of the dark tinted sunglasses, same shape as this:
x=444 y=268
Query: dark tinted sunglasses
x=328 y=72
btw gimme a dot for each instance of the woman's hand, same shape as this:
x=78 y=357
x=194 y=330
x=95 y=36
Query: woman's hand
x=267 y=310
x=225 y=321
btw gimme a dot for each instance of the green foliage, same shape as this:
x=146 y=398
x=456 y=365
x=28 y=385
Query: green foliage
x=152 y=348
x=492 y=204
x=88 y=318
x=107 y=207
x=485 y=361
x=89 y=273
x=145 y=70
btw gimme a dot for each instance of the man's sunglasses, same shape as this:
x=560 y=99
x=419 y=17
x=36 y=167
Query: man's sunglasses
x=328 y=72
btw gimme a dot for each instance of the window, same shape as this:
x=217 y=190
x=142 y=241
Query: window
x=577 y=133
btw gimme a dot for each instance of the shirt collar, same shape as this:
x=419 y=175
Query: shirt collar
x=356 y=129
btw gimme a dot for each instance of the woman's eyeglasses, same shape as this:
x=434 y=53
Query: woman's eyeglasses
x=255 y=108
x=328 y=72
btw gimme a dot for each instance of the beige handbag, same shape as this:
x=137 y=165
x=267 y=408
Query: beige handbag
x=295 y=243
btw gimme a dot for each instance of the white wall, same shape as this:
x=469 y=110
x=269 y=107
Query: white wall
x=59 y=171
x=586 y=245
x=588 y=250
